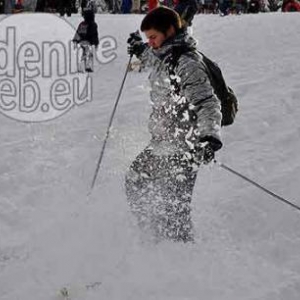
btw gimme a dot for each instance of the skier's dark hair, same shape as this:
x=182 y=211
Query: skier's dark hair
x=161 y=19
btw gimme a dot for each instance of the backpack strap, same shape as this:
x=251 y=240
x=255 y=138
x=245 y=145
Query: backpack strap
x=172 y=63
x=213 y=68
x=175 y=55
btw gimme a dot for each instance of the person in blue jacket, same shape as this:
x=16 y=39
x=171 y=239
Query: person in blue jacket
x=126 y=6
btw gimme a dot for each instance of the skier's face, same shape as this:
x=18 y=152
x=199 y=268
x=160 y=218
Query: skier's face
x=156 y=38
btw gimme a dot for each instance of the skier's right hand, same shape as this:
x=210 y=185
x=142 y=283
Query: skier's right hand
x=136 y=45
x=204 y=152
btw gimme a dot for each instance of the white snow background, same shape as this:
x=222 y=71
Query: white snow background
x=58 y=243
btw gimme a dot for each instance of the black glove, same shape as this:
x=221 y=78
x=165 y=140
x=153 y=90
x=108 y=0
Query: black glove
x=208 y=154
x=205 y=150
x=136 y=44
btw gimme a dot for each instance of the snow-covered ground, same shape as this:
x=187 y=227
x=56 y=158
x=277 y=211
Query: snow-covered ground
x=58 y=243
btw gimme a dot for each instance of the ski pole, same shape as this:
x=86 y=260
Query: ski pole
x=109 y=127
x=257 y=185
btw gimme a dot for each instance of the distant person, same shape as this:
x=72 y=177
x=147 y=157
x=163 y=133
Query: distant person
x=83 y=4
x=114 y=6
x=186 y=10
x=18 y=7
x=290 y=6
x=2 y=6
x=126 y=6
x=88 y=5
x=152 y=4
x=87 y=38
x=51 y=6
x=241 y=6
x=40 y=5
x=9 y=6
x=225 y=7
x=136 y=6
x=65 y=7
x=254 y=7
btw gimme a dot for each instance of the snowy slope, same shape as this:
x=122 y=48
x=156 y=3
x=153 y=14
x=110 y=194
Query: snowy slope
x=54 y=236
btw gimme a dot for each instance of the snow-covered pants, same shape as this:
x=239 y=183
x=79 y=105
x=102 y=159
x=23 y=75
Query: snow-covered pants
x=159 y=191
x=87 y=56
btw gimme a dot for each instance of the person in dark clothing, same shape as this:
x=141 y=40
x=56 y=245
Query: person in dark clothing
x=114 y=6
x=186 y=10
x=65 y=7
x=126 y=6
x=225 y=6
x=83 y=4
x=40 y=5
x=254 y=7
x=87 y=37
x=184 y=124
x=88 y=5
x=51 y=5
x=2 y=7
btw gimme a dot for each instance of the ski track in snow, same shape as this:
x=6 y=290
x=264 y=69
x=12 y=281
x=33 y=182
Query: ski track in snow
x=54 y=238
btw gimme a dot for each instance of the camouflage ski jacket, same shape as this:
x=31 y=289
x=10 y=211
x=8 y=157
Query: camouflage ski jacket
x=181 y=118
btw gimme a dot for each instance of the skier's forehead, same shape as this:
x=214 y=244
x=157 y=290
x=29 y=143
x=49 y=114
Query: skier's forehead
x=152 y=33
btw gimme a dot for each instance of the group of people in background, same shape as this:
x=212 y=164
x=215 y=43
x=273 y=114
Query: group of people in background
x=222 y=7
x=11 y=6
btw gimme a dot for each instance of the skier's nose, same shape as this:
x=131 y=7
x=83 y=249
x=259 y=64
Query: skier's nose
x=151 y=43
